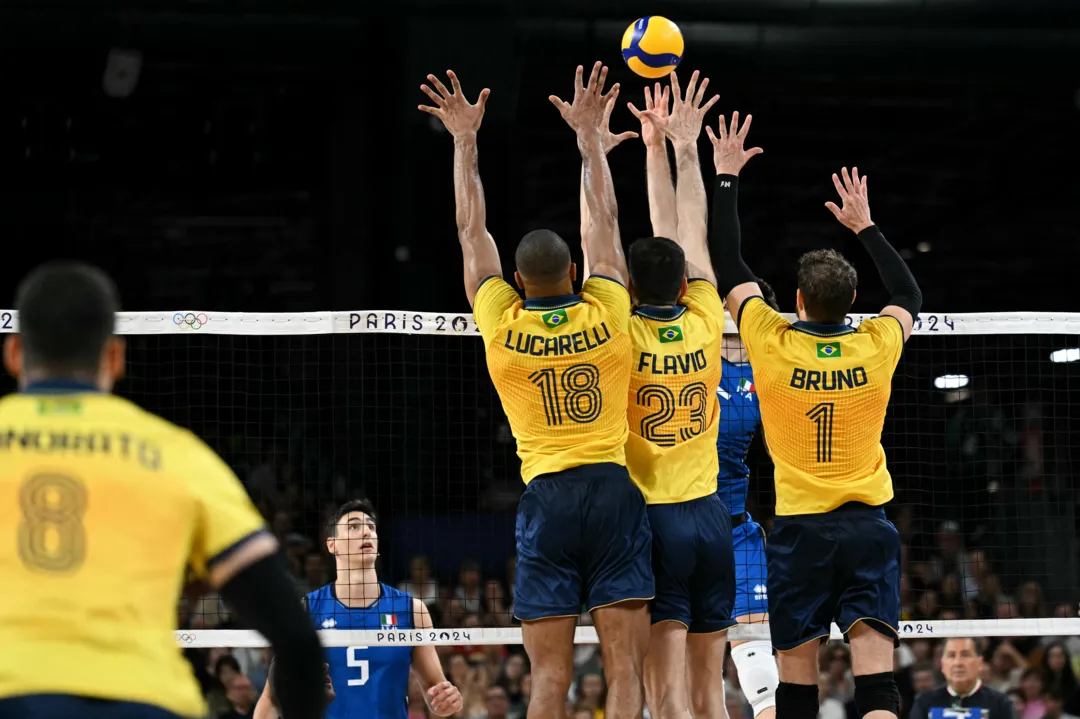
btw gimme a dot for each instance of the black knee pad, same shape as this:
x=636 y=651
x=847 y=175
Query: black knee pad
x=796 y=701
x=877 y=692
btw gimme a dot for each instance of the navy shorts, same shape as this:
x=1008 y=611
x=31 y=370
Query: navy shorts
x=66 y=706
x=583 y=537
x=694 y=564
x=842 y=566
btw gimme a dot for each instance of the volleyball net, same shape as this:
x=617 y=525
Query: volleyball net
x=313 y=409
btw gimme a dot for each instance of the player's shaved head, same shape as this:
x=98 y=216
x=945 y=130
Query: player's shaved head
x=67 y=312
x=657 y=269
x=827 y=282
x=542 y=258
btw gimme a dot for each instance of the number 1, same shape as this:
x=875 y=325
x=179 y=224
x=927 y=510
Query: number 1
x=361 y=664
x=822 y=415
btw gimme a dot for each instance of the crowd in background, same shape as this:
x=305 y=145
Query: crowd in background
x=944 y=582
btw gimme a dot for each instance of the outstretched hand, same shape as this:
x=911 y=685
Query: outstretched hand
x=658 y=103
x=854 y=212
x=611 y=140
x=586 y=112
x=729 y=156
x=683 y=125
x=459 y=117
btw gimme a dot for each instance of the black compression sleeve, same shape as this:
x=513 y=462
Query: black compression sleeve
x=265 y=599
x=903 y=289
x=725 y=238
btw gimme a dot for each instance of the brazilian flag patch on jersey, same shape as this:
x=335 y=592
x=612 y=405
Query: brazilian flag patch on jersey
x=670 y=334
x=828 y=350
x=554 y=319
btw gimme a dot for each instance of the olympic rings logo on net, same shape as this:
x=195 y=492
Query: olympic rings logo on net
x=190 y=320
x=185 y=637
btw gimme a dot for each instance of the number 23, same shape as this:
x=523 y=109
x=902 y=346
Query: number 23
x=361 y=664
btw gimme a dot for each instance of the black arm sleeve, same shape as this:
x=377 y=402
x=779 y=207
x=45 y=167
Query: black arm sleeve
x=265 y=599
x=903 y=289
x=725 y=238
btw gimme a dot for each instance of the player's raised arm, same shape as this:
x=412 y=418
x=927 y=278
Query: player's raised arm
x=734 y=280
x=442 y=697
x=611 y=141
x=462 y=120
x=662 y=208
x=683 y=128
x=585 y=116
x=905 y=297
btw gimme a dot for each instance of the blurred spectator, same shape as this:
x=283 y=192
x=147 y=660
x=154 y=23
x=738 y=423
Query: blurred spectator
x=962 y=667
x=420 y=583
x=223 y=668
x=417 y=706
x=1032 y=687
x=497 y=705
x=923 y=678
x=1055 y=706
x=829 y=707
x=1007 y=665
x=469 y=590
x=514 y=669
x=590 y=692
x=241 y=696
x=498 y=614
x=1058 y=676
x=1018 y=702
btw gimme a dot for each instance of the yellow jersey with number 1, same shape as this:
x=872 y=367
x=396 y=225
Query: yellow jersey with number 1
x=106 y=508
x=561 y=366
x=673 y=411
x=823 y=391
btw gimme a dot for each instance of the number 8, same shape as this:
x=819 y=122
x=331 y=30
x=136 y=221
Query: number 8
x=51 y=535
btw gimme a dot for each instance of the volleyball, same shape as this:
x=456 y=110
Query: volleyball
x=652 y=46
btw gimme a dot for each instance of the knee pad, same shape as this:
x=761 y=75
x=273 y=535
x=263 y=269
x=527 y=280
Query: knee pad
x=877 y=692
x=757 y=674
x=796 y=701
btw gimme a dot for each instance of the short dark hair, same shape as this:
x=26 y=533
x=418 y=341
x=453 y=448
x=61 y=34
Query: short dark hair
x=227 y=660
x=657 y=268
x=827 y=282
x=542 y=256
x=924 y=667
x=353 y=505
x=67 y=312
x=768 y=293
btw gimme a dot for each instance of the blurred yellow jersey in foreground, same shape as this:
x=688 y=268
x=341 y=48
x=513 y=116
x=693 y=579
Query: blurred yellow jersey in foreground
x=105 y=507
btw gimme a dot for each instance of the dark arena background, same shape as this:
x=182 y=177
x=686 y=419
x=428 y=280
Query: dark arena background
x=267 y=157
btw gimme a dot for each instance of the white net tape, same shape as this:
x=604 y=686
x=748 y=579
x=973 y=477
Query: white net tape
x=460 y=324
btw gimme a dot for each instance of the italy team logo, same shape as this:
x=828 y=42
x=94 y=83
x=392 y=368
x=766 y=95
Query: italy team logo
x=388 y=620
x=670 y=334
x=828 y=350
x=554 y=319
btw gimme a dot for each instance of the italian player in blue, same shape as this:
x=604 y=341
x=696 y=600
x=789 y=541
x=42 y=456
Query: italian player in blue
x=371 y=681
x=740 y=417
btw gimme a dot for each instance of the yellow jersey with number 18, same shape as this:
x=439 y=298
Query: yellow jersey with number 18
x=561 y=366
x=105 y=508
x=673 y=411
x=823 y=391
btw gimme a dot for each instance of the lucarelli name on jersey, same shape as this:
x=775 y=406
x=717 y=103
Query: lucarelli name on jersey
x=437 y=636
x=673 y=364
x=573 y=343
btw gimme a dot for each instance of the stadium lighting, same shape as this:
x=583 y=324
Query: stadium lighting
x=1072 y=354
x=951 y=381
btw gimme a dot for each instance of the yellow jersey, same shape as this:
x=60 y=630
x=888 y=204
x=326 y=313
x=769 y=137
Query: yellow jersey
x=561 y=366
x=823 y=391
x=673 y=411
x=106 y=508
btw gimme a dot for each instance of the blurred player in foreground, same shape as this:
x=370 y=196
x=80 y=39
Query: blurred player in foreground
x=824 y=389
x=372 y=681
x=561 y=365
x=108 y=507
x=677 y=328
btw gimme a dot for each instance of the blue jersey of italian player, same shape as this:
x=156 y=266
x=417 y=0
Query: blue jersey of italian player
x=740 y=417
x=368 y=681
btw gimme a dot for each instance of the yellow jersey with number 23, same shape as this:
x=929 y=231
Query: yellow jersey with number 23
x=106 y=508
x=561 y=366
x=673 y=411
x=823 y=390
